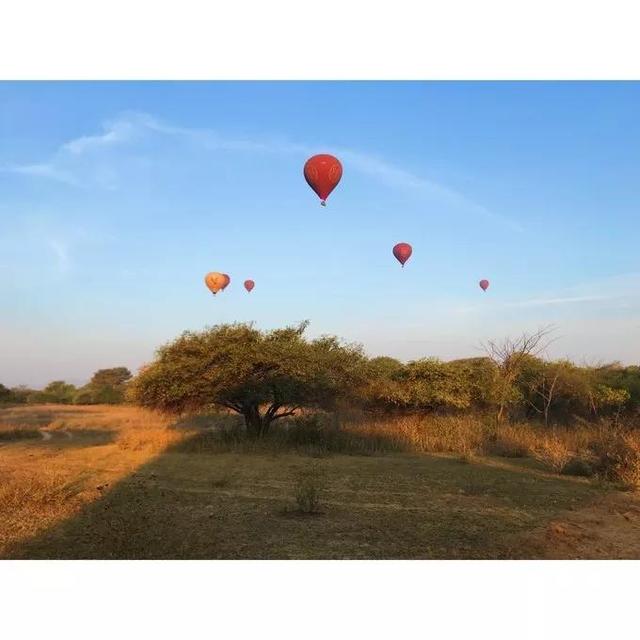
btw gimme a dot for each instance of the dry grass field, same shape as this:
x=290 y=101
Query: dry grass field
x=120 y=482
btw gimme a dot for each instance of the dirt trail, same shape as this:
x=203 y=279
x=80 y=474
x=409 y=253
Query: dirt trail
x=606 y=530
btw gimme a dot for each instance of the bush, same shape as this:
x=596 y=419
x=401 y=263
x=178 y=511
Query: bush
x=510 y=441
x=618 y=457
x=578 y=467
x=5 y=394
x=309 y=486
x=553 y=453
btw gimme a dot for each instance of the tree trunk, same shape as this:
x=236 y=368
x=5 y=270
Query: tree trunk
x=253 y=421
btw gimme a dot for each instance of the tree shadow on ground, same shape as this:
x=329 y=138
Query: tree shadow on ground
x=211 y=499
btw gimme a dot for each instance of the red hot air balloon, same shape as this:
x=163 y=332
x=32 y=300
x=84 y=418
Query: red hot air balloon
x=402 y=251
x=227 y=280
x=249 y=284
x=322 y=173
x=484 y=284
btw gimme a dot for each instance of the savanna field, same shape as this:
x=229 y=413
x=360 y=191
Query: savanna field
x=111 y=482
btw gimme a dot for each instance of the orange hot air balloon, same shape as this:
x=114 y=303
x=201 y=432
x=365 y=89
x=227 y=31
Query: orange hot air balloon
x=484 y=284
x=215 y=281
x=402 y=252
x=249 y=284
x=322 y=173
x=227 y=280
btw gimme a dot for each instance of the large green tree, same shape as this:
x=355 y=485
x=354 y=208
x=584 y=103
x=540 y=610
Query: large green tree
x=107 y=386
x=58 y=391
x=264 y=376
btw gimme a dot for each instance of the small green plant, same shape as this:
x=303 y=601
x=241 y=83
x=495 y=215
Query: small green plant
x=221 y=482
x=578 y=467
x=309 y=487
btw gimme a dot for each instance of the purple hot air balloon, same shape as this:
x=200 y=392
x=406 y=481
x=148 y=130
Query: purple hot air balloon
x=484 y=284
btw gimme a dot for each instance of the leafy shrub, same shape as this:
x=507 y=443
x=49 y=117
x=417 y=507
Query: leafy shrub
x=578 y=467
x=309 y=487
x=618 y=457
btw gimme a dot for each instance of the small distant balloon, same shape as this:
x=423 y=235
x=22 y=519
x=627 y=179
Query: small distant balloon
x=249 y=284
x=402 y=252
x=227 y=280
x=323 y=173
x=484 y=284
x=216 y=281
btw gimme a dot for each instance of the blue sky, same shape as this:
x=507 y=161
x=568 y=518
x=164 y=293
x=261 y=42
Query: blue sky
x=117 y=198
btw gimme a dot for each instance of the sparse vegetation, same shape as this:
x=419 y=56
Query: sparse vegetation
x=308 y=490
x=253 y=425
x=201 y=488
x=617 y=453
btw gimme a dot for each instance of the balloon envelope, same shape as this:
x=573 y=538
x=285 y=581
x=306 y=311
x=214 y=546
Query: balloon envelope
x=249 y=284
x=322 y=173
x=484 y=284
x=227 y=280
x=215 y=281
x=402 y=252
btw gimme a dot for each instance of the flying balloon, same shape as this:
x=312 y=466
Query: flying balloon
x=402 y=252
x=227 y=280
x=322 y=173
x=249 y=284
x=484 y=284
x=215 y=281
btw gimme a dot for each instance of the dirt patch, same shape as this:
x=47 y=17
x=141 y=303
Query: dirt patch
x=609 y=529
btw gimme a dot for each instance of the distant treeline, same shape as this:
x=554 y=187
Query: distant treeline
x=555 y=391
x=107 y=386
x=243 y=369
x=267 y=375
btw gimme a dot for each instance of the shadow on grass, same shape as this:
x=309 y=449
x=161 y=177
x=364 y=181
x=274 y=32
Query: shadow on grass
x=221 y=496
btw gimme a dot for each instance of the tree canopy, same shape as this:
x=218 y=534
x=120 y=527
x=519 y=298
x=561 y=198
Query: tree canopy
x=262 y=375
x=107 y=386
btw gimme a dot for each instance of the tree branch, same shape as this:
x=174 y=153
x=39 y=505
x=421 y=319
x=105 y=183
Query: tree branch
x=231 y=405
x=272 y=410
x=284 y=414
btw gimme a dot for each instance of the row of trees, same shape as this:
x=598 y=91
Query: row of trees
x=552 y=391
x=265 y=376
x=107 y=386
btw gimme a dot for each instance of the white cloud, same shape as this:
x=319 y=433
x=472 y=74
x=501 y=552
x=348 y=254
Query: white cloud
x=65 y=165
x=119 y=131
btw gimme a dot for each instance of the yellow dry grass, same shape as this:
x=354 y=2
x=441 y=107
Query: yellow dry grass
x=120 y=482
x=44 y=480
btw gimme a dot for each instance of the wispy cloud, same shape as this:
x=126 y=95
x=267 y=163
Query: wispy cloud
x=115 y=132
x=60 y=251
x=44 y=170
x=542 y=302
x=398 y=177
x=620 y=290
x=68 y=164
